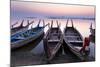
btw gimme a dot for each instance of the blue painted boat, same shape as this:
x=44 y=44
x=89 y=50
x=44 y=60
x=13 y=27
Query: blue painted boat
x=24 y=37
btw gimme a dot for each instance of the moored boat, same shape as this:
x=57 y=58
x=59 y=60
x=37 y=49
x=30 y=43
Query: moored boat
x=24 y=37
x=73 y=40
x=53 y=41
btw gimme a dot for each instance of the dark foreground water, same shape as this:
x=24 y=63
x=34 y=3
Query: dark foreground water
x=34 y=54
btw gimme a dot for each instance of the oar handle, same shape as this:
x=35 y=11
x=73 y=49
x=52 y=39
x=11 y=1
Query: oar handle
x=39 y=23
x=71 y=22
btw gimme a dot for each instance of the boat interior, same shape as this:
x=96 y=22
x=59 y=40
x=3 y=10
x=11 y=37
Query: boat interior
x=54 y=38
x=23 y=35
x=73 y=37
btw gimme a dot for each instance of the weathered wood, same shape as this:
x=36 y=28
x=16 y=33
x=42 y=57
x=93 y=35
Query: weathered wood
x=39 y=23
x=72 y=41
x=52 y=41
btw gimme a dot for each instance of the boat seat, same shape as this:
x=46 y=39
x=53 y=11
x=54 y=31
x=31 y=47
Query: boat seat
x=73 y=36
x=75 y=41
x=53 y=40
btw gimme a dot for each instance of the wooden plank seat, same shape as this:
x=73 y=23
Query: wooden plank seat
x=73 y=38
x=54 y=40
x=75 y=41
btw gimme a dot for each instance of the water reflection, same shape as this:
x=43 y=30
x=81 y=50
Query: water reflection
x=39 y=49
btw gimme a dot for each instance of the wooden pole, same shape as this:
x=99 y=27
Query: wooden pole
x=72 y=23
x=57 y=23
x=51 y=23
x=67 y=22
x=39 y=23
x=28 y=23
x=21 y=25
x=43 y=23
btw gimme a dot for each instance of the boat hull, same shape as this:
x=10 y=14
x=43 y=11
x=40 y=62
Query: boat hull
x=51 y=53
x=13 y=32
x=72 y=46
x=25 y=41
x=75 y=51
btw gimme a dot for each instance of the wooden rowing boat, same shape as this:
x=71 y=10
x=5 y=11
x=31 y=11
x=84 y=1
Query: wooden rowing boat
x=20 y=28
x=73 y=40
x=52 y=41
x=24 y=37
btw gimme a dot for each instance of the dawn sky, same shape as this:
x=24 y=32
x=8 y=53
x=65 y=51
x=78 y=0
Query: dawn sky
x=31 y=9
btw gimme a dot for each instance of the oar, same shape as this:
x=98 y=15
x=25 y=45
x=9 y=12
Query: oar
x=72 y=23
x=57 y=23
x=21 y=25
x=14 y=24
x=43 y=23
x=51 y=23
x=39 y=23
x=67 y=22
x=46 y=25
x=29 y=23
